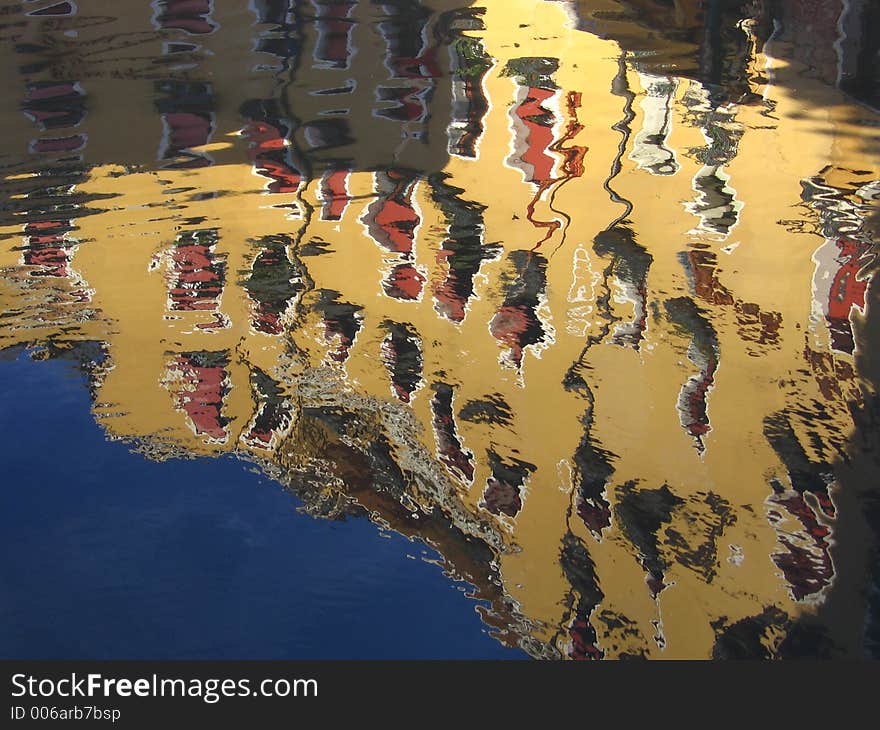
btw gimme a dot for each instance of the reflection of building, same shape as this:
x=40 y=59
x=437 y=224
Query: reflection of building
x=585 y=384
x=842 y=263
x=58 y=109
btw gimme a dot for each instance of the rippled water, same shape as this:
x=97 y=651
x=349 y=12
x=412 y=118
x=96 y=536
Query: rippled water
x=576 y=296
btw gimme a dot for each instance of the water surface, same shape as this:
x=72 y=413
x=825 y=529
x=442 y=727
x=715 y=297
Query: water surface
x=440 y=329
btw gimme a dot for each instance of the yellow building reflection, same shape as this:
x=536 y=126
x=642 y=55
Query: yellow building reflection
x=490 y=279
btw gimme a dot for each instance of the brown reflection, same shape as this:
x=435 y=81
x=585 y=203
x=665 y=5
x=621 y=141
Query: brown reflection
x=576 y=293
